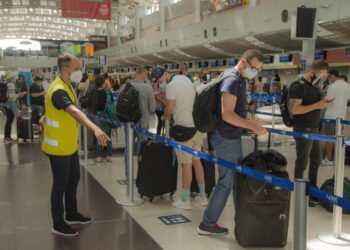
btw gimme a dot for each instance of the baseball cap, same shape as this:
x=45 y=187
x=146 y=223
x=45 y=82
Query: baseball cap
x=157 y=73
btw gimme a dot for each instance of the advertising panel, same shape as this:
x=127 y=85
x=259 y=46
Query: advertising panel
x=91 y=9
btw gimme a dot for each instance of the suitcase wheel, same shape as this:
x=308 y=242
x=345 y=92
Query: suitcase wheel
x=151 y=199
x=172 y=194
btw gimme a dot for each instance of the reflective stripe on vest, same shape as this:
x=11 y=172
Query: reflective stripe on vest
x=51 y=142
x=52 y=123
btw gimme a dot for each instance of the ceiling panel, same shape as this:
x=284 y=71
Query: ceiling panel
x=175 y=56
x=154 y=58
x=201 y=52
x=237 y=46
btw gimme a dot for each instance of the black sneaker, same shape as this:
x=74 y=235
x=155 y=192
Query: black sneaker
x=78 y=219
x=313 y=201
x=215 y=230
x=64 y=230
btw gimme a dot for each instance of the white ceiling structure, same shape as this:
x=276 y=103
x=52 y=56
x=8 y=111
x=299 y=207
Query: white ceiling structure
x=41 y=19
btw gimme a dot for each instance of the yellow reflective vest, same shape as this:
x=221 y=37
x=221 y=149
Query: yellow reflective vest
x=60 y=129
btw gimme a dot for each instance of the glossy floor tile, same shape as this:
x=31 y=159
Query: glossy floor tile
x=25 y=217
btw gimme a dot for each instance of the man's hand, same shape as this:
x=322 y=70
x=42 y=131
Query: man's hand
x=323 y=104
x=259 y=130
x=101 y=137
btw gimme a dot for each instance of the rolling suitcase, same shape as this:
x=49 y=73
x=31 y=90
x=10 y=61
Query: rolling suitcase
x=24 y=129
x=262 y=209
x=157 y=170
x=209 y=177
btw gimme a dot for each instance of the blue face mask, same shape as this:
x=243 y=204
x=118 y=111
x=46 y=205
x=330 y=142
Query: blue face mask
x=163 y=85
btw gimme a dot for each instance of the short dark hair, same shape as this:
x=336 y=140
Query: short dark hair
x=334 y=73
x=344 y=77
x=250 y=54
x=64 y=60
x=106 y=75
x=319 y=65
x=259 y=78
x=99 y=81
x=277 y=78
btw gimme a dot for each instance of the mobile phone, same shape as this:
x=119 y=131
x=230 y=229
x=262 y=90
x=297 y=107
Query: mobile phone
x=331 y=100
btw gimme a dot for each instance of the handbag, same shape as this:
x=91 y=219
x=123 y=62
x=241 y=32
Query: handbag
x=181 y=133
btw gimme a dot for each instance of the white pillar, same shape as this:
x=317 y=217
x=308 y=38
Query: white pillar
x=308 y=53
x=162 y=15
x=137 y=22
x=197 y=11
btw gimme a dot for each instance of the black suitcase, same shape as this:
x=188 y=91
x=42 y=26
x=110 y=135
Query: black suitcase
x=347 y=155
x=157 y=170
x=24 y=129
x=209 y=177
x=262 y=209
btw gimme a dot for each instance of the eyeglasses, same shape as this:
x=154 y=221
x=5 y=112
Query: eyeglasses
x=257 y=69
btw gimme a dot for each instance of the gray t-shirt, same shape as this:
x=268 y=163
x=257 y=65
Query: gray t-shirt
x=147 y=102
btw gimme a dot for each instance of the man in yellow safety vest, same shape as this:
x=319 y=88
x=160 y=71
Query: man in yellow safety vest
x=60 y=144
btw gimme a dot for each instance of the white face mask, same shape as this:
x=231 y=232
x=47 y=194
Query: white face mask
x=250 y=73
x=76 y=76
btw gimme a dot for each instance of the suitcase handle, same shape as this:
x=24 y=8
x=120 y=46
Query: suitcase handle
x=256 y=141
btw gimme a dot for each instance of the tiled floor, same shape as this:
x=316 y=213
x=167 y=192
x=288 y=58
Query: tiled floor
x=184 y=236
x=25 y=218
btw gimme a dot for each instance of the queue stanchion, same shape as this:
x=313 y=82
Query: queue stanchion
x=167 y=128
x=273 y=118
x=129 y=199
x=300 y=214
x=336 y=237
x=86 y=161
x=80 y=150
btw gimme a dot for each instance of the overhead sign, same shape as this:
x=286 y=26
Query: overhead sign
x=211 y=6
x=92 y=9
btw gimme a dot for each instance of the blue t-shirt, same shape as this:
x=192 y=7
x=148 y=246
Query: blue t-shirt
x=235 y=86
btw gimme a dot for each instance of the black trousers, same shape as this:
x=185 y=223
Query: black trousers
x=66 y=175
x=308 y=152
x=160 y=122
x=9 y=120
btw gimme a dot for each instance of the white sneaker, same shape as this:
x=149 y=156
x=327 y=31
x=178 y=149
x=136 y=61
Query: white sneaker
x=327 y=163
x=202 y=200
x=185 y=205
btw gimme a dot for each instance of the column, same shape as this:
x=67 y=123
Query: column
x=162 y=15
x=197 y=11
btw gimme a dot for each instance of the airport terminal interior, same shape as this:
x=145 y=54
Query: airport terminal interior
x=270 y=46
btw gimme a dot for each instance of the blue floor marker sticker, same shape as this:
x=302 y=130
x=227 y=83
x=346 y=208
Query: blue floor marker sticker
x=174 y=219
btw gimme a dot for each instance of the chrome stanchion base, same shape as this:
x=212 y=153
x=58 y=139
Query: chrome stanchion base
x=125 y=201
x=88 y=163
x=330 y=238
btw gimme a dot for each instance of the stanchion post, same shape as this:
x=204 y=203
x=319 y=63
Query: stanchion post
x=300 y=214
x=336 y=237
x=167 y=128
x=273 y=118
x=129 y=199
x=86 y=161
x=80 y=151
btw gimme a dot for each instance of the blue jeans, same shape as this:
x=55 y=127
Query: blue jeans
x=229 y=150
x=138 y=138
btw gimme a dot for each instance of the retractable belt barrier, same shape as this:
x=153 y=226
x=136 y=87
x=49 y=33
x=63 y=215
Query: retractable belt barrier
x=259 y=175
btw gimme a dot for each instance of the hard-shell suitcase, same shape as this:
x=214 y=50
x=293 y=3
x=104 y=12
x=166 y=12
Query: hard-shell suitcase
x=209 y=177
x=262 y=209
x=24 y=129
x=157 y=171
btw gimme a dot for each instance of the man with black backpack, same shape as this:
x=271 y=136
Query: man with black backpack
x=305 y=105
x=226 y=137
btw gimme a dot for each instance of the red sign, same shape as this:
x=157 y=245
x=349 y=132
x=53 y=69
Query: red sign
x=92 y=9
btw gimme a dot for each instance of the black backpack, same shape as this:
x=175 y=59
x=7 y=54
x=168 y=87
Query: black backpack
x=285 y=105
x=128 y=105
x=3 y=93
x=205 y=105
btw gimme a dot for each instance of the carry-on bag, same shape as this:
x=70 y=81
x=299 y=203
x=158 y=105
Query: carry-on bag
x=328 y=186
x=262 y=209
x=157 y=170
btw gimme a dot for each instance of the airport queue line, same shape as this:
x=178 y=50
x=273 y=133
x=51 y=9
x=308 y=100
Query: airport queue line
x=299 y=186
